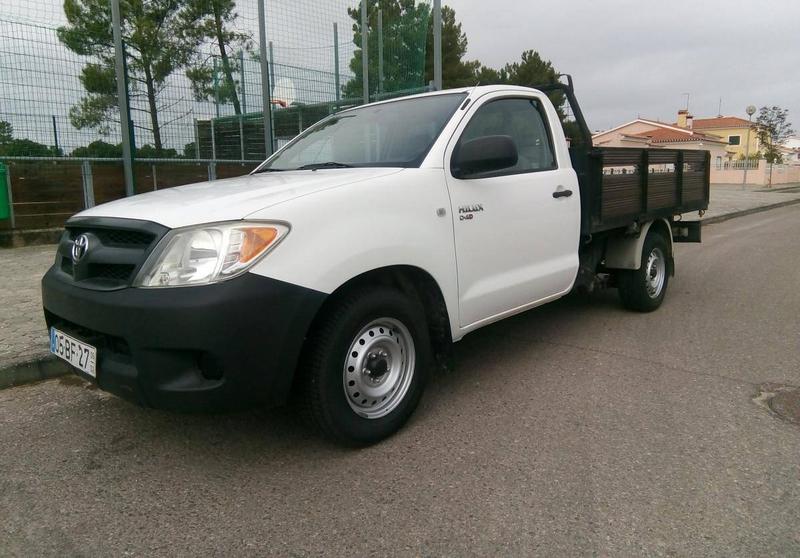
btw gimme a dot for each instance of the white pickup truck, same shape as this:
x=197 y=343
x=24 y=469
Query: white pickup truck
x=343 y=268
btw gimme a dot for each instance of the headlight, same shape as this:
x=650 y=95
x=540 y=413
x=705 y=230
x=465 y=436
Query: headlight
x=208 y=253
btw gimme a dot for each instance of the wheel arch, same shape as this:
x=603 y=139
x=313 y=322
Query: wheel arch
x=412 y=281
x=625 y=252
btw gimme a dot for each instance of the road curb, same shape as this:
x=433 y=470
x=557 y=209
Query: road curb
x=751 y=211
x=32 y=371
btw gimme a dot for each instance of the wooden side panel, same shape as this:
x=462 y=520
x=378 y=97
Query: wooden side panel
x=626 y=185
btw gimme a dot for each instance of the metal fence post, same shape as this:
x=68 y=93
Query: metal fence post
x=265 y=89
x=380 y=50
x=364 y=54
x=216 y=88
x=271 y=65
x=196 y=140
x=88 y=185
x=155 y=176
x=10 y=197
x=336 y=61
x=212 y=171
x=241 y=76
x=122 y=99
x=55 y=134
x=213 y=141
x=437 y=44
x=241 y=136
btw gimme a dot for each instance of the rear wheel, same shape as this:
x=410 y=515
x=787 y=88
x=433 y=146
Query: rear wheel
x=365 y=365
x=643 y=289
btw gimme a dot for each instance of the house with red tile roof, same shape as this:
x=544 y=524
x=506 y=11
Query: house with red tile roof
x=643 y=132
x=736 y=132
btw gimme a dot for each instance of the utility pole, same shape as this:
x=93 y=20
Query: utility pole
x=751 y=110
x=122 y=99
x=437 y=44
x=364 y=53
x=265 y=88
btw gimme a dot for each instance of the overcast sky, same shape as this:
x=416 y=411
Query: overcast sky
x=628 y=57
x=639 y=57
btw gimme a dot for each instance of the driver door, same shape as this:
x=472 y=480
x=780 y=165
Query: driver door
x=516 y=242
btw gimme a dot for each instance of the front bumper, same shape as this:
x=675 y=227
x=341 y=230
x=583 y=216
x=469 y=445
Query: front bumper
x=218 y=346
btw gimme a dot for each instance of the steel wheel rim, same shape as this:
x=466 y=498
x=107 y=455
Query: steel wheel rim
x=379 y=368
x=655 y=272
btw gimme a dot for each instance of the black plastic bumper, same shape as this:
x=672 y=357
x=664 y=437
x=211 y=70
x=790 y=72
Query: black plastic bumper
x=218 y=346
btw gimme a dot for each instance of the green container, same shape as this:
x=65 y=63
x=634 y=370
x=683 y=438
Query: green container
x=5 y=206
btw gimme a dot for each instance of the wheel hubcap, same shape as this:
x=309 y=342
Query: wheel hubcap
x=655 y=272
x=379 y=368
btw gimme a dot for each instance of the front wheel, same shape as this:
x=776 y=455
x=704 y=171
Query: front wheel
x=364 y=366
x=643 y=289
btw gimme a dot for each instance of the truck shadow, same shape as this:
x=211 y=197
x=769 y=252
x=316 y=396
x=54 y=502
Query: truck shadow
x=276 y=436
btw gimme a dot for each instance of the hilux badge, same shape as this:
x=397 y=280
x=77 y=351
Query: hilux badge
x=79 y=248
x=467 y=212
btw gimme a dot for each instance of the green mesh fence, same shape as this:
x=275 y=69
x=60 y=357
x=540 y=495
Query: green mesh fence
x=197 y=104
x=60 y=100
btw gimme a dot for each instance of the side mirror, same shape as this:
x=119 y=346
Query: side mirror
x=483 y=155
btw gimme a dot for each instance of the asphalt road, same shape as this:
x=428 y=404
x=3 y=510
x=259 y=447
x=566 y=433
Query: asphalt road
x=574 y=429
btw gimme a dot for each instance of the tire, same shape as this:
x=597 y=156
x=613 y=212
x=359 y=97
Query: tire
x=643 y=289
x=364 y=366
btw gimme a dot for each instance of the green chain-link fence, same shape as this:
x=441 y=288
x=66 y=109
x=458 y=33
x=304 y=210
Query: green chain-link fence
x=194 y=82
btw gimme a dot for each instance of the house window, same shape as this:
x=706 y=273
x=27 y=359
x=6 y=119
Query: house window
x=734 y=140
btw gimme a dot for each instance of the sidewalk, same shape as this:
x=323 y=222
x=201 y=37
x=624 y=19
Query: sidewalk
x=23 y=333
x=728 y=200
x=23 y=336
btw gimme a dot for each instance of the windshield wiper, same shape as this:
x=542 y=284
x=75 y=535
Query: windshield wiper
x=328 y=165
x=268 y=169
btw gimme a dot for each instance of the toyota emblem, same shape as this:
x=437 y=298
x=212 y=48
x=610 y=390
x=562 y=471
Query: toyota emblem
x=79 y=248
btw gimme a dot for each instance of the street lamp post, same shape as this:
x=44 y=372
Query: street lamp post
x=751 y=110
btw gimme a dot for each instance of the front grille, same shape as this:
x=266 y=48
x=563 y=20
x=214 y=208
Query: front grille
x=120 y=272
x=111 y=237
x=116 y=250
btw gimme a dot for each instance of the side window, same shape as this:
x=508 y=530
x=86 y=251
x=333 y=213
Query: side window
x=523 y=121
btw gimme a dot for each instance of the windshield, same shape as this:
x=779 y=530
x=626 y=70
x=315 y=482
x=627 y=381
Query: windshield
x=396 y=134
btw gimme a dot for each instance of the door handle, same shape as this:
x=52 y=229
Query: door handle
x=562 y=193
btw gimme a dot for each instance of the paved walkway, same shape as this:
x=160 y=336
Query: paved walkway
x=727 y=199
x=23 y=335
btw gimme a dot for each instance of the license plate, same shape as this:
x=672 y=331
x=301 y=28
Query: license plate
x=78 y=354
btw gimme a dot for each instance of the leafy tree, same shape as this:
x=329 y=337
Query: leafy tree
x=98 y=148
x=28 y=148
x=10 y=147
x=456 y=72
x=531 y=70
x=156 y=43
x=773 y=129
x=147 y=151
x=489 y=76
x=6 y=132
x=214 y=20
x=190 y=150
x=405 y=25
